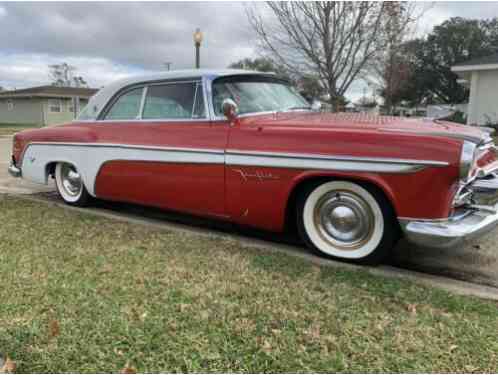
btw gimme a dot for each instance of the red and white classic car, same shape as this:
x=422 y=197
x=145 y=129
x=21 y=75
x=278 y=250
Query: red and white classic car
x=247 y=148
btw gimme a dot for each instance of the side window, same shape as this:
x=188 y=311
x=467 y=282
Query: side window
x=174 y=101
x=127 y=106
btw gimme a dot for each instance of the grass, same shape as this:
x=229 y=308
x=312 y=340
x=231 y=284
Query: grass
x=9 y=129
x=87 y=294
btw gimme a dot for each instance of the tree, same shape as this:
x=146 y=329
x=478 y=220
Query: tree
x=390 y=70
x=333 y=40
x=63 y=75
x=310 y=87
x=454 y=41
x=367 y=102
x=260 y=64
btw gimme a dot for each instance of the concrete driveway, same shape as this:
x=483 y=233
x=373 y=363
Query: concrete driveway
x=474 y=262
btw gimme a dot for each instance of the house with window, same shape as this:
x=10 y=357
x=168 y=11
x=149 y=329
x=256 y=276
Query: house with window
x=480 y=75
x=43 y=105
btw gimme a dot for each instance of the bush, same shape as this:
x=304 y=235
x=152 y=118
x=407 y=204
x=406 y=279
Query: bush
x=457 y=116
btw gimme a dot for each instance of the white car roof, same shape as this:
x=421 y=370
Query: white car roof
x=100 y=99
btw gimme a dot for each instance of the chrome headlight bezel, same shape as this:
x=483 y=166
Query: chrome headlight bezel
x=467 y=159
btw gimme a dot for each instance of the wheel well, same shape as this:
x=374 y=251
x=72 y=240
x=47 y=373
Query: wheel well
x=50 y=169
x=290 y=211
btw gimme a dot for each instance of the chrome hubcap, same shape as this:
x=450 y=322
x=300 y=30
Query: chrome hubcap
x=344 y=220
x=71 y=180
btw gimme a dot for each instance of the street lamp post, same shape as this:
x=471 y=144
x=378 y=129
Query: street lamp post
x=197 y=42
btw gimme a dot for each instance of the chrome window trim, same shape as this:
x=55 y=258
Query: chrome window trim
x=249 y=114
x=170 y=119
x=162 y=83
x=193 y=103
x=108 y=106
x=208 y=98
x=209 y=84
x=105 y=94
x=139 y=117
x=150 y=120
x=142 y=103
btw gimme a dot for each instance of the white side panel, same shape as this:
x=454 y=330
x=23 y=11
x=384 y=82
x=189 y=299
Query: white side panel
x=89 y=159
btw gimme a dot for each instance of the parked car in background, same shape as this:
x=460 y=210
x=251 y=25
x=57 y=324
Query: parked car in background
x=246 y=147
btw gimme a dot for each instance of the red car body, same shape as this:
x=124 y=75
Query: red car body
x=254 y=165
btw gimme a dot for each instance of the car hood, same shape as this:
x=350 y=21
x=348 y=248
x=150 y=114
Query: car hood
x=387 y=124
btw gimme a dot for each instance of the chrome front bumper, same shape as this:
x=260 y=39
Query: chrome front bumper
x=447 y=233
x=14 y=171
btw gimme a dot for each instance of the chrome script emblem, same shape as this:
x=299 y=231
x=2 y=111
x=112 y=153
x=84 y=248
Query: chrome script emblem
x=258 y=175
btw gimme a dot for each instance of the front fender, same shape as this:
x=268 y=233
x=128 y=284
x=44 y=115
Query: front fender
x=373 y=179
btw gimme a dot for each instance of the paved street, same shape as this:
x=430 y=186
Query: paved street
x=473 y=262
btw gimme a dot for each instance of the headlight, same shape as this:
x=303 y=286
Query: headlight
x=467 y=159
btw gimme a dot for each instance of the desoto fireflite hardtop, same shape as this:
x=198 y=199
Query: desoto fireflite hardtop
x=246 y=147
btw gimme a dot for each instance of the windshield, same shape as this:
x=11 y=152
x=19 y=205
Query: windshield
x=256 y=94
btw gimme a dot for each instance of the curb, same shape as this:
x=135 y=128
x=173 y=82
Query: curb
x=451 y=285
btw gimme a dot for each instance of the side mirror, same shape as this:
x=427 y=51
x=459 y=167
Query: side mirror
x=230 y=109
x=316 y=106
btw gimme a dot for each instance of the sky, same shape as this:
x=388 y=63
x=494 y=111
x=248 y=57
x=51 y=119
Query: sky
x=110 y=40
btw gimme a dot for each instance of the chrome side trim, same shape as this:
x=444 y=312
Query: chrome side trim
x=123 y=146
x=318 y=164
x=416 y=162
x=127 y=146
x=279 y=160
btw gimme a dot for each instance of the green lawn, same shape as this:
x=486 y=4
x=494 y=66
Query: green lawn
x=87 y=294
x=9 y=129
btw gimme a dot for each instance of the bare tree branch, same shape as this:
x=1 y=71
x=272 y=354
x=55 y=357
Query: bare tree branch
x=332 y=40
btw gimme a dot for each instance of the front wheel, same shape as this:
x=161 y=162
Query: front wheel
x=345 y=220
x=70 y=185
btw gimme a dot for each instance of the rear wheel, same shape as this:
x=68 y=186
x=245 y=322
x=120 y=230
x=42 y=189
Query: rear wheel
x=70 y=185
x=345 y=220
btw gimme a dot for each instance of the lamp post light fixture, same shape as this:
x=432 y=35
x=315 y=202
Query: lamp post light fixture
x=197 y=42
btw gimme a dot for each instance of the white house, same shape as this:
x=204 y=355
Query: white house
x=481 y=75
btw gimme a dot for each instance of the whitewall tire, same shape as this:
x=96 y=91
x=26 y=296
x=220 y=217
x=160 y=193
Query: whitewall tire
x=70 y=185
x=346 y=220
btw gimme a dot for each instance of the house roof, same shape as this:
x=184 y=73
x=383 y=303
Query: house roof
x=49 y=92
x=480 y=63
